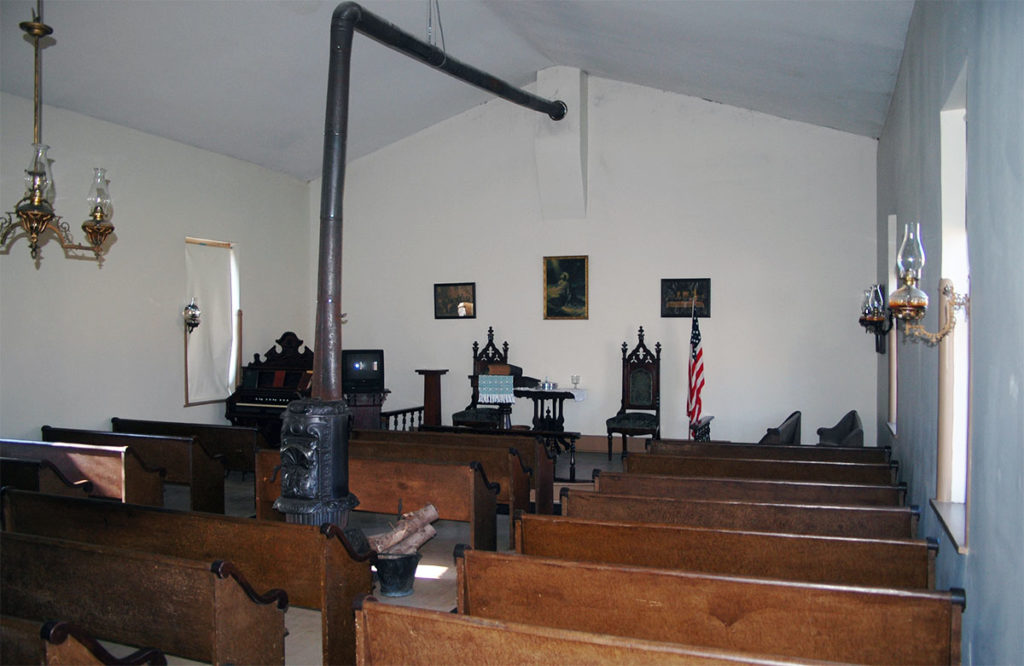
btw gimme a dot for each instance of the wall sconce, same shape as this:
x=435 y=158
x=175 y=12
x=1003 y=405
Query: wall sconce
x=34 y=213
x=191 y=314
x=909 y=303
x=875 y=317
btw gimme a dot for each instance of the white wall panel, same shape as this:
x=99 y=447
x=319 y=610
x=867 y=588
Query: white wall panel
x=778 y=214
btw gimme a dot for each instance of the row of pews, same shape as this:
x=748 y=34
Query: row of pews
x=211 y=587
x=698 y=552
x=85 y=541
x=694 y=553
x=76 y=546
x=132 y=462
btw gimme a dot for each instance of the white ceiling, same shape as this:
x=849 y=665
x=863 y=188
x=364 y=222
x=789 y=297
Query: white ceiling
x=247 y=78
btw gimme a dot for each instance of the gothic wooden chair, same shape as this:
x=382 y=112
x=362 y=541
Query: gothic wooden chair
x=487 y=361
x=641 y=395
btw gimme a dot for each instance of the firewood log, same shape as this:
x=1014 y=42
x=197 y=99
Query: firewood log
x=411 y=543
x=410 y=523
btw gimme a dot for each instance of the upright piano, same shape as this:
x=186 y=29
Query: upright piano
x=268 y=385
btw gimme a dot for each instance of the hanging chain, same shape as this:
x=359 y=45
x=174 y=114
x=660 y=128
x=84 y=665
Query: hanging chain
x=434 y=10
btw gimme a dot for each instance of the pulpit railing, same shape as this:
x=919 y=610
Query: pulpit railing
x=410 y=418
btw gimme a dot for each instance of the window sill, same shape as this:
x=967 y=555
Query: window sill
x=953 y=516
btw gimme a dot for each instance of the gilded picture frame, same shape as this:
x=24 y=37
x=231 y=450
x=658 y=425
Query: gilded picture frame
x=566 y=287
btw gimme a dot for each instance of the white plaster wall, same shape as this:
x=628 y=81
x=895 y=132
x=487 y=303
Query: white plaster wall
x=989 y=38
x=778 y=214
x=80 y=344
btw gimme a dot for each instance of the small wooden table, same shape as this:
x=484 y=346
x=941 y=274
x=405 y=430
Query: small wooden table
x=549 y=418
x=548 y=411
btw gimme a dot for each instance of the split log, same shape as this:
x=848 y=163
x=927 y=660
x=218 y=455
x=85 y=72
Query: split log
x=410 y=524
x=411 y=543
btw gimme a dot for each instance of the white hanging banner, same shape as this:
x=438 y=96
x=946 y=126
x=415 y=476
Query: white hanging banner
x=209 y=348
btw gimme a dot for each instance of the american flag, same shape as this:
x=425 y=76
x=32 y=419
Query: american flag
x=696 y=374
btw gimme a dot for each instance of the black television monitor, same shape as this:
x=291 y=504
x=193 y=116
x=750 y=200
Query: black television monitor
x=362 y=370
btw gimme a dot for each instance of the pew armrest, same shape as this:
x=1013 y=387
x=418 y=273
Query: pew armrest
x=225 y=569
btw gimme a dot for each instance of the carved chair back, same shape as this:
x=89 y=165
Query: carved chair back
x=641 y=376
x=489 y=355
x=489 y=361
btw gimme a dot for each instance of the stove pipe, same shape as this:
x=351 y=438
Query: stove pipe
x=314 y=437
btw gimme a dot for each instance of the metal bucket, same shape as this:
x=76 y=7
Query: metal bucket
x=396 y=573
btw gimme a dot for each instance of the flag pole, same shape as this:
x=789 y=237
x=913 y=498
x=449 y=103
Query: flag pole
x=689 y=379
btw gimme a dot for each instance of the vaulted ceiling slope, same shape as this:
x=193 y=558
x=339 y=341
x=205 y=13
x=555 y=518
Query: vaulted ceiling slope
x=247 y=78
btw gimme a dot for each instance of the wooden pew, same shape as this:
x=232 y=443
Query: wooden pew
x=41 y=476
x=865 y=522
x=746 y=468
x=503 y=466
x=35 y=642
x=533 y=452
x=318 y=568
x=390 y=635
x=236 y=446
x=751 y=490
x=458 y=491
x=191 y=608
x=830 y=622
x=184 y=458
x=116 y=472
x=852 y=454
x=893 y=563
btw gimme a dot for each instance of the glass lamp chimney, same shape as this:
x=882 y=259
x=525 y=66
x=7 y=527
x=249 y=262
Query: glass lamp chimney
x=909 y=302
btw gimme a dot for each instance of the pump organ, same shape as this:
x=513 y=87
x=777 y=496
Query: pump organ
x=267 y=387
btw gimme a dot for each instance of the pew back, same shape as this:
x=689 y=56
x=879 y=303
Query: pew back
x=755 y=490
x=396 y=635
x=116 y=472
x=531 y=449
x=184 y=607
x=184 y=458
x=854 y=454
x=235 y=446
x=458 y=491
x=893 y=563
x=315 y=570
x=866 y=522
x=746 y=468
x=848 y=624
x=503 y=466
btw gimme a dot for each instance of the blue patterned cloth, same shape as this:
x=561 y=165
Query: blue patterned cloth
x=495 y=389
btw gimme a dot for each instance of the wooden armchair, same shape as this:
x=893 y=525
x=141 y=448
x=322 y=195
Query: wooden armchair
x=788 y=431
x=848 y=432
x=641 y=395
x=487 y=361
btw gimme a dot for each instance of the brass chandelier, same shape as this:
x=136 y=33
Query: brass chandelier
x=34 y=215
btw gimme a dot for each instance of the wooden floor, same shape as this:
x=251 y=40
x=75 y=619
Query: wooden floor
x=434 y=587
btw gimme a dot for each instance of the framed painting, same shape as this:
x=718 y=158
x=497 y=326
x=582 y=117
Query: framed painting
x=565 y=287
x=455 y=300
x=685 y=297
